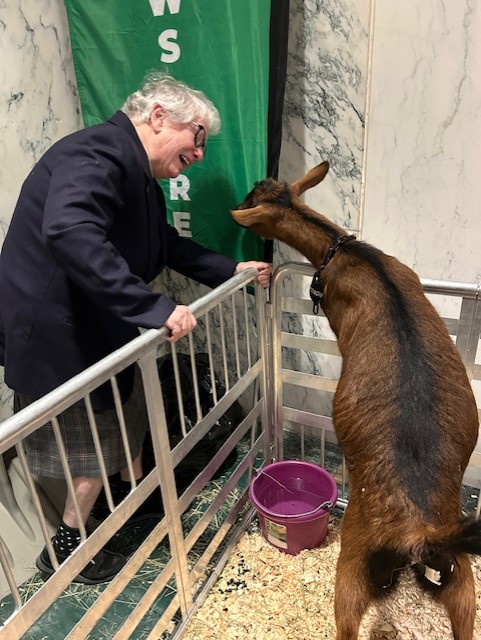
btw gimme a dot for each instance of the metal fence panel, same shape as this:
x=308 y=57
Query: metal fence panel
x=230 y=323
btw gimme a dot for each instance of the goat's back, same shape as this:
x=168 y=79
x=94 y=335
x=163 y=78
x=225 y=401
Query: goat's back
x=404 y=410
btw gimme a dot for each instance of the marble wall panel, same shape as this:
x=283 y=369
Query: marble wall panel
x=424 y=135
x=38 y=96
x=324 y=118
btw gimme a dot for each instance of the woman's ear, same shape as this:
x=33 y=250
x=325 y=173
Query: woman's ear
x=157 y=117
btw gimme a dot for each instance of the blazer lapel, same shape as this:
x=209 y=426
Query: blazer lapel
x=155 y=209
x=157 y=219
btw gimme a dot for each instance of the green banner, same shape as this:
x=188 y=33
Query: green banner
x=221 y=48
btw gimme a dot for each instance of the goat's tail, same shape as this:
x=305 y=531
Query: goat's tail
x=442 y=559
x=464 y=537
x=433 y=558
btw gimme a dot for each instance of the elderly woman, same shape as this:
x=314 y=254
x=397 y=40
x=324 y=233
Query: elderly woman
x=88 y=234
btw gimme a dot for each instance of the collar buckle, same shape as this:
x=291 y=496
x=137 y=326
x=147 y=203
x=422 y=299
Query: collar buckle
x=316 y=290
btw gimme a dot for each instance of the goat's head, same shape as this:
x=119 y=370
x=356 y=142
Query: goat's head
x=269 y=201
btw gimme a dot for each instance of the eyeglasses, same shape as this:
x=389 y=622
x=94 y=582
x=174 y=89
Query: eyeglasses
x=200 y=136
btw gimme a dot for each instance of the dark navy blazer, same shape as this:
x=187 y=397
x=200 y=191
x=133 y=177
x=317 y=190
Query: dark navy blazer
x=88 y=234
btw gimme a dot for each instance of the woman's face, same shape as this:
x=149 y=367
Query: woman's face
x=171 y=146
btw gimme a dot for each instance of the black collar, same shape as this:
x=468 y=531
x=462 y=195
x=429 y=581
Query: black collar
x=316 y=288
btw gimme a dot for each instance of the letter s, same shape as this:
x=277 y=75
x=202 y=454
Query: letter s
x=167 y=43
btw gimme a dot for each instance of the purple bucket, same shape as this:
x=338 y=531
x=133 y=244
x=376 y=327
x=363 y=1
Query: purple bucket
x=293 y=500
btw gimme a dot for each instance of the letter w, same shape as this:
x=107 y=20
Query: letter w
x=158 y=6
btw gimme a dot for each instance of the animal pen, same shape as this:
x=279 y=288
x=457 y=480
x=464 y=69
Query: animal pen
x=279 y=363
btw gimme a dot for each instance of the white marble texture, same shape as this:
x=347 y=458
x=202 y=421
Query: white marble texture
x=324 y=117
x=324 y=102
x=420 y=135
x=38 y=96
x=424 y=136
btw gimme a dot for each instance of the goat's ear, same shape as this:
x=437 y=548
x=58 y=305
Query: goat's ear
x=312 y=177
x=248 y=217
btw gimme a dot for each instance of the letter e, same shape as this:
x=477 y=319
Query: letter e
x=182 y=223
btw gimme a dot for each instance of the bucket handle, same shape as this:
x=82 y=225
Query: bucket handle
x=327 y=505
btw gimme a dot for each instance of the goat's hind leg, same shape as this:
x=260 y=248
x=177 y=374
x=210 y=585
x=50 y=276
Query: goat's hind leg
x=362 y=576
x=352 y=595
x=456 y=592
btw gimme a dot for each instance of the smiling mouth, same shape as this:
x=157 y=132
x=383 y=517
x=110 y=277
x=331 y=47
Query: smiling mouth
x=185 y=162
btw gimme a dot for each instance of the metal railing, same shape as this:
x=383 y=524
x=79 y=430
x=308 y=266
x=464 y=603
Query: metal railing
x=237 y=360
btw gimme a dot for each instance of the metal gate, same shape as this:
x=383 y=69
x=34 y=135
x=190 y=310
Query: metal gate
x=191 y=540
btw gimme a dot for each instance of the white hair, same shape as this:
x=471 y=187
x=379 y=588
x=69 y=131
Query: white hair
x=181 y=102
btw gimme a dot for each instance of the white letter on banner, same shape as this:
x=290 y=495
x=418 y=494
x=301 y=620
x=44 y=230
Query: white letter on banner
x=169 y=45
x=179 y=187
x=182 y=223
x=158 y=6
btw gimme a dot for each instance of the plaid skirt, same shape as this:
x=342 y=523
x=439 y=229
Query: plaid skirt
x=41 y=446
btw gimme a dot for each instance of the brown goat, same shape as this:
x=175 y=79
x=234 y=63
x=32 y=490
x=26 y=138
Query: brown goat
x=404 y=413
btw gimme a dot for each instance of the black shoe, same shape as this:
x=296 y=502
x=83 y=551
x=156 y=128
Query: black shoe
x=150 y=509
x=104 y=566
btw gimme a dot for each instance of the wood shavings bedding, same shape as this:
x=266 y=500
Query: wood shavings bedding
x=265 y=594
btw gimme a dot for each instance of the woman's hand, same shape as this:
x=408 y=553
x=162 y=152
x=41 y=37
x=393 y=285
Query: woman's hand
x=264 y=271
x=180 y=322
